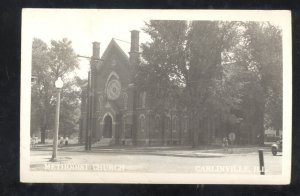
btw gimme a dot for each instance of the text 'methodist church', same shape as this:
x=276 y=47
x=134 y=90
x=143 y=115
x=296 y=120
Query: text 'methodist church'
x=119 y=114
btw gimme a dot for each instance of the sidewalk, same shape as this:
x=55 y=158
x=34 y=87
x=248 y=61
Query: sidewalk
x=180 y=151
x=76 y=154
x=183 y=151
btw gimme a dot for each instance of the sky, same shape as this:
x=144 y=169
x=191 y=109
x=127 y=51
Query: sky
x=84 y=26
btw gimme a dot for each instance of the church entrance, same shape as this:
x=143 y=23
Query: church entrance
x=107 y=131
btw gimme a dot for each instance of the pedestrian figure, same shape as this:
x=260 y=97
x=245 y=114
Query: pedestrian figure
x=66 y=141
x=225 y=143
x=35 y=139
x=258 y=139
x=61 y=141
x=32 y=142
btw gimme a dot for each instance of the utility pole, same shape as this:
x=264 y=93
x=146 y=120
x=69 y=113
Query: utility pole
x=90 y=101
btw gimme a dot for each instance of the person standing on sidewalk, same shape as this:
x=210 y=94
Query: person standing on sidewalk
x=66 y=141
x=32 y=142
x=225 y=143
x=61 y=141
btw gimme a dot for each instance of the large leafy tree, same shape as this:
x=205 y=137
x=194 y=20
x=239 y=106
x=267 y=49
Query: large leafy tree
x=262 y=56
x=184 y=66
x=70 y=108
x=231 y=71
x=265 y=42
x=212 y=91
x=41 y=91
x=49 y=63
x=83 y=85
x=163 y=68
x=62 y=58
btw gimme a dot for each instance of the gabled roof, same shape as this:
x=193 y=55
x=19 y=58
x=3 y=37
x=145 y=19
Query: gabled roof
x=112 y=43
x=124 y=46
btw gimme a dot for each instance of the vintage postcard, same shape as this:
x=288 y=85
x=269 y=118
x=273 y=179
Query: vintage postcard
x=156 y=96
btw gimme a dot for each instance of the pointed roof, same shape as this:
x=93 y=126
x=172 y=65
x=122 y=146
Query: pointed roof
x=124 y=46
x=122 y=49
x=113 y=43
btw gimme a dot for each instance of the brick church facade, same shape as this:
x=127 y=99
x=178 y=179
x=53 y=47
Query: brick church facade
x=115 y=112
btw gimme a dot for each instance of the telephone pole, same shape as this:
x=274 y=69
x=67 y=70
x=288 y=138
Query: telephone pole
x=90 y=100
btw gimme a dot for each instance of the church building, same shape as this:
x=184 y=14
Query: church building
x=115 y=112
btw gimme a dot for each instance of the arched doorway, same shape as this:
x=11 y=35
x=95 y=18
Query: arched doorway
x=107 y=131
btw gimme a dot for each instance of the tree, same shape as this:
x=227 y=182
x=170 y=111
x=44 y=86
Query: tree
x=231 y=71
x=263 y=43
x=49 y=63
x=183 y=66
x=210 y=90
x=41 y=91
x=63 y=59
x=83 y=84
x=70 y=108
x=163 y=66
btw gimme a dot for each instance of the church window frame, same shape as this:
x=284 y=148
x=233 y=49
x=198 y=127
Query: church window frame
x=113 y=75
x=100 y=102
x=185 y=124
x=125 y=100
x=175 y=124
x=168 y=123
x=157 y=123
x=142 y=99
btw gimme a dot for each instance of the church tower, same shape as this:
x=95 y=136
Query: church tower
x=111 y=96
x=134 y=53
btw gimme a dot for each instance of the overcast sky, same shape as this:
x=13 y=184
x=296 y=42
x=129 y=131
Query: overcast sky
x=83 y=27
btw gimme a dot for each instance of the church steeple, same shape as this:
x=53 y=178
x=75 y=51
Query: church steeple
x=134 y=53
x=96 y=50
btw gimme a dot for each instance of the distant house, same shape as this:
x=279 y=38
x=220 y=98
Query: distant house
x=273 y=133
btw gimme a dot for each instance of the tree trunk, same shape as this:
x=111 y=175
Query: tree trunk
x=195 y=125
x=80 y=131
x=193 y=131
x=260 y=127
x=43 y=134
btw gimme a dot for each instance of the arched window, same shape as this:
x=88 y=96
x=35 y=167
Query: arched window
x=125 y=99
x=142 y=123
x=124 y=125
x=142 y=99
x=127 y=127
x=100 y=101
x=113 y=62
x=186 y=124
x=112 y=75
x=175 y=124
x=157 y=123
x=168 y=123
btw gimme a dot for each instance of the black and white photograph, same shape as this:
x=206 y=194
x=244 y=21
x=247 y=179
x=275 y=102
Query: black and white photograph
x=156 y=96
